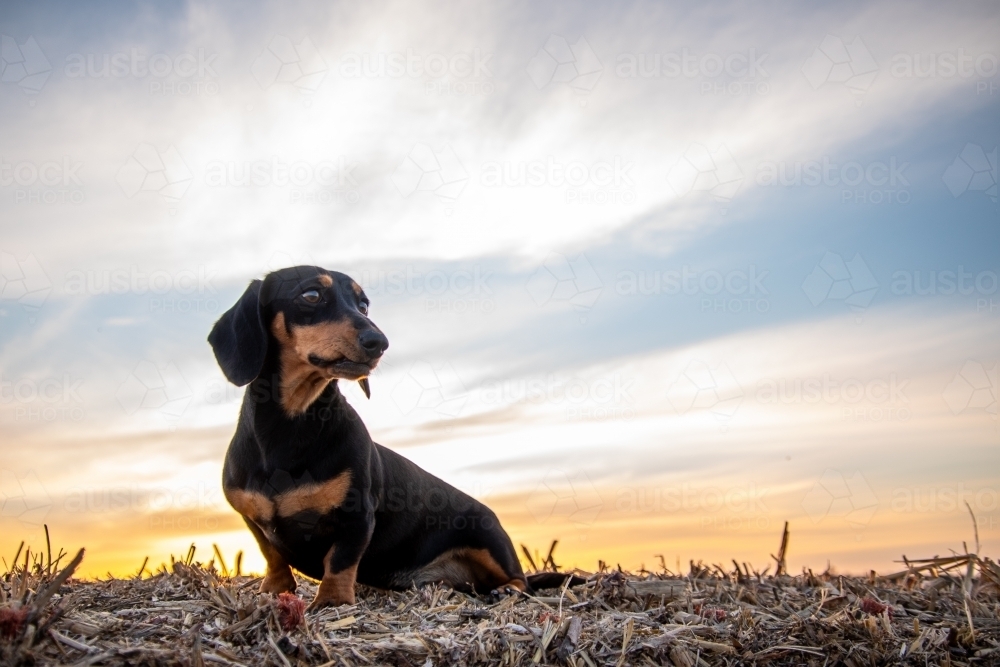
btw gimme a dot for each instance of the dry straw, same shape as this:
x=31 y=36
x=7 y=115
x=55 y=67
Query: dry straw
x=935 y=611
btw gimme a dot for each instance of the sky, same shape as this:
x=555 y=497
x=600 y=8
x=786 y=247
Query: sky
x=657 y=278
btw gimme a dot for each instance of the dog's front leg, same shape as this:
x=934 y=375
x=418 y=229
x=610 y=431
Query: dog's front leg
x=340 y=568
x=337 y=586
x=278 y=578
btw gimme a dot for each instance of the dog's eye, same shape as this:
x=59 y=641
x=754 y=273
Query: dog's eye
x=363 y=307
x=311 y=296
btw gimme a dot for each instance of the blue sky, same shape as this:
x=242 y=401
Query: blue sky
x=526 y=365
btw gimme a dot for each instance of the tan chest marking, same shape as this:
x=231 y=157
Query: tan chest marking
x=320 y=497
x=255 y=506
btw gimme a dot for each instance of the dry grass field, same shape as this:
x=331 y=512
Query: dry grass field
x=938 y=611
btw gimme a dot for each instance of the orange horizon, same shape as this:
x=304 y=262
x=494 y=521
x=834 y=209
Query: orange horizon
x=878 y=546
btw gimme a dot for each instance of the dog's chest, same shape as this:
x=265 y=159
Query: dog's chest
x=281 y=499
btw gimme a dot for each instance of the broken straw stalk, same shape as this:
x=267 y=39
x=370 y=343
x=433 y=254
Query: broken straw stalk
x=938 y=610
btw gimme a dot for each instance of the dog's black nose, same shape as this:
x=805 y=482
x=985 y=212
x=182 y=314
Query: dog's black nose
x=373 y=342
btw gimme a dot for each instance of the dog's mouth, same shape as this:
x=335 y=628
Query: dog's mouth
x=342 y=367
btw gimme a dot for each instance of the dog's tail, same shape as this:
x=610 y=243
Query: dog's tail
x=541 y=580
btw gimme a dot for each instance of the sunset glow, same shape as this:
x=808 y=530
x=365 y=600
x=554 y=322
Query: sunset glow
x=656 y=279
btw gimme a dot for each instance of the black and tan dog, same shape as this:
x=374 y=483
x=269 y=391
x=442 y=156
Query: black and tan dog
x=316 y=492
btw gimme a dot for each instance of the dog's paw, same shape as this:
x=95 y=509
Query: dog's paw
x=321 y=601
x=318 y=604
x=278 y=582
x=512 y=587
x=331 y=593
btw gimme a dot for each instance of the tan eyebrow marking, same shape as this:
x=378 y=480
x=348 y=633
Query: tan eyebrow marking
x=325 y=280
x=356 y=287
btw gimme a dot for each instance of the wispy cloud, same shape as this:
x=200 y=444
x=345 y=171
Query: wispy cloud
x=614 y=249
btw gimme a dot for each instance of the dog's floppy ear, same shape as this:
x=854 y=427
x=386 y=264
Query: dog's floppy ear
x=239 y=338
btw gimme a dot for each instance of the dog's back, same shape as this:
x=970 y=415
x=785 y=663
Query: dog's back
x=424 y=526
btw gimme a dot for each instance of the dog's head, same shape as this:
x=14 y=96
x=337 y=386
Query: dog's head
x=314 y=322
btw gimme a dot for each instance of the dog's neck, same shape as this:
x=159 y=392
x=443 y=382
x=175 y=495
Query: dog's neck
x=287 y=391
x=295 y=400
x=327 y=428
x=298 y=391
x=324 y=419
x=299 y=382
x=327 y=419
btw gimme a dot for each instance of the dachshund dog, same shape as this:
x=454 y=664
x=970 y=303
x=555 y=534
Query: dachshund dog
x=318 y=495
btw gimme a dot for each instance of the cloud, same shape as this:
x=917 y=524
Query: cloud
x=518 y=220
x=411 y=152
